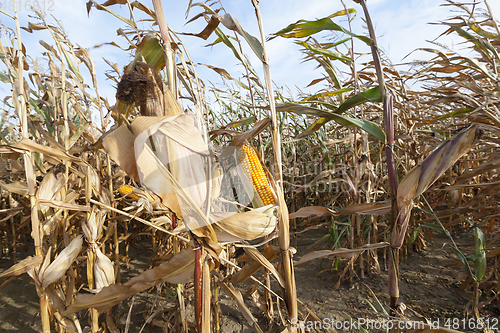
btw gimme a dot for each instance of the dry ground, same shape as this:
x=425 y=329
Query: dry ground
x=427 y=289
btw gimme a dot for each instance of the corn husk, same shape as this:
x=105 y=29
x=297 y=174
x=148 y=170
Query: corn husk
x=172 y=143
x=104 y=272
x=422 y=176
x=48 y=274
x=92 y=228
x=256 y=223
x=50 y=188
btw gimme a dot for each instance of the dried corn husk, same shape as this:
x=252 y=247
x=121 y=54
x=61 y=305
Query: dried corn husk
x=104 y=272
x=48 y=274
x=421 y=177
x=256 y=223
x=50 y=187
x=234 y=227
x=174 y=144
x=93 y=226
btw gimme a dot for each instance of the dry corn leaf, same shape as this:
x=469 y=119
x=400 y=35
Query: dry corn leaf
x=313 y=211
x=63 y=205
x=15 y=187
x=257 y=256
x=340 y=252
x=421 y=177
x=270 y=253
x=23 y=266
x=178 y=270
x=236 y=295
x=446 y=155
x=29 y=145
x=245 y=136
x=366 y=209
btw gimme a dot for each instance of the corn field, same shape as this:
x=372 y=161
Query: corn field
x=218 y=186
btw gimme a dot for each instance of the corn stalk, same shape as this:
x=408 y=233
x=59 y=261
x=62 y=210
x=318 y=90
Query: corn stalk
x=286 y=263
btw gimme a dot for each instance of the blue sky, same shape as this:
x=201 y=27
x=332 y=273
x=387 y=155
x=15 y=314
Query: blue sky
x=401 y=26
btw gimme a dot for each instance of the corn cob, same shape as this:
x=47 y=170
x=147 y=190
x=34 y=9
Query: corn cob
x=128 y=191
x=253 y=169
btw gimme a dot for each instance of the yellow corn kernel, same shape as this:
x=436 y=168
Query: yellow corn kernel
x=128 y=191
x=252 y=167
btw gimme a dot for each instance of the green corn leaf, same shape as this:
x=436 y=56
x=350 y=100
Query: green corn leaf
x=436 y=227
x=464 y=260
x=480 y=253
x=448 y=115
x=4 y=77
x=313 y=128
x=328 y=93
x=231 y=23
x=225 y=39
x=330 y=70
x=372 y=94
x=71 y=65
x=304 y=28
x=327 y=53
x=483 y=33
x=365 y=125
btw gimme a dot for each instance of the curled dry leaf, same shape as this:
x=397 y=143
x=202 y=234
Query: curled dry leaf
x=29 y=145
x=63 y=205
x=362 y=209
x=367 y=209
x=313 y=211
x=258 y=257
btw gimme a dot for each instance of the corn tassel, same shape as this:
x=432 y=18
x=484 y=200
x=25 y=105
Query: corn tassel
x=252 y=166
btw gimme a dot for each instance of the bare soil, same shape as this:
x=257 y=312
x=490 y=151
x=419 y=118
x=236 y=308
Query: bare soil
x=428 y=290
